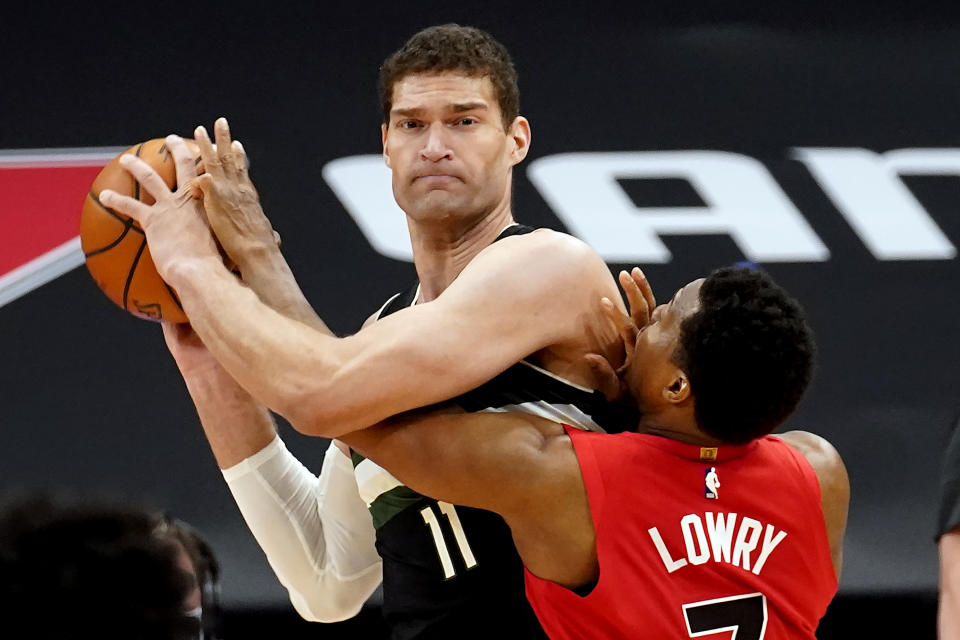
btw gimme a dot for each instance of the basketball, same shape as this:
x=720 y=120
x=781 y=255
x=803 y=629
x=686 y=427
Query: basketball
x=115 y=246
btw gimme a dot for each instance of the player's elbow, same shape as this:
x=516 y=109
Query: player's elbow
x=332 y=598
x=312 y=415
x=329 y=610
x=309 y=406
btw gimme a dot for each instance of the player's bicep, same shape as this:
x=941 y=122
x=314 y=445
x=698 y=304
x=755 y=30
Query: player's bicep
x=517 y=297
x=487 y=320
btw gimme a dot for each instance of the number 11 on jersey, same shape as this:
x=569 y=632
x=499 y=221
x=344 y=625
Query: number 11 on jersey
x=430 y=517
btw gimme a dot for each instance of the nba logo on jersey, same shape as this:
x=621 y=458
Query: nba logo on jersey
x=711 y=482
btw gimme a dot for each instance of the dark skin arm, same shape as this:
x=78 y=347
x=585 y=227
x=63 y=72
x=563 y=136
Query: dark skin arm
x=834 y=487
x=520 y=466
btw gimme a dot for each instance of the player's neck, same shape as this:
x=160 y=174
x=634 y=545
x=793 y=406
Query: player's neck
x=441 y=252
x=676 y=426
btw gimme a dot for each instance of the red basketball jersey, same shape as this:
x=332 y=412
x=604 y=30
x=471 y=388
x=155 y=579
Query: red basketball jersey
x=696 y=542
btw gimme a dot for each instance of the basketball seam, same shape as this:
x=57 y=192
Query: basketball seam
x=136 y=183
x=133 y=268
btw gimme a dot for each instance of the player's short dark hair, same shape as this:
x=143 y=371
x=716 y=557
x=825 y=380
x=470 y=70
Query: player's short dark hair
x=748 y=352
x=451 y=47
x=78 y=570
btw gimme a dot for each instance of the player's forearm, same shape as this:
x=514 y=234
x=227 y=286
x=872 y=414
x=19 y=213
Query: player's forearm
x=236 y=425
x=266 y=272
x=467 y=459
x=280 y=361
x=417 y=357
x=316 y=532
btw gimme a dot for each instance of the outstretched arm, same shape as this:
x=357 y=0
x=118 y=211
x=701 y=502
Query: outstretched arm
x=520 y=466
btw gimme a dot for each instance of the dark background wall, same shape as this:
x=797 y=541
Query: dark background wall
x=91 y=401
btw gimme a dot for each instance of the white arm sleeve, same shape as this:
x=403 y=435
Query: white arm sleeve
x=315 y=531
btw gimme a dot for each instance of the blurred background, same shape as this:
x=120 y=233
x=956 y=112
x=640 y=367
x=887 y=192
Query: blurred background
x=820 y=141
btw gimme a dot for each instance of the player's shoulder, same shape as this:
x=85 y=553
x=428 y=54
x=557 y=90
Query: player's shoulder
x=810 y=445
x=819 y=452
x=543 y=249
x=547 y=238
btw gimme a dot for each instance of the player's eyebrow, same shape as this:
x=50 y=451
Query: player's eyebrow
x=468 y=106
x=456 y=107
x=409 y=112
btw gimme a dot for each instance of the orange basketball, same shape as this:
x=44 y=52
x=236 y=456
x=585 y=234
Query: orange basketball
x=115 y=246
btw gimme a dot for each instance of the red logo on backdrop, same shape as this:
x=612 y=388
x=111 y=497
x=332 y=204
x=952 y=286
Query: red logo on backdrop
x=42 y=194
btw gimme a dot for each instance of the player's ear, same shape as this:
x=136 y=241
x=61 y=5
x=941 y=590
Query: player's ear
x=519 y=133
x=678 y=389
x=383 y=140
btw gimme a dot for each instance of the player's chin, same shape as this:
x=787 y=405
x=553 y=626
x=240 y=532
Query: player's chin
x=437 y=206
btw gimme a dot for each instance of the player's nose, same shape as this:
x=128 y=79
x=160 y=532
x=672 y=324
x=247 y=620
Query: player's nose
x=435 y=145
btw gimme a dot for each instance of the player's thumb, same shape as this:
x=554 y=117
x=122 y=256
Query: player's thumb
x=605 y=378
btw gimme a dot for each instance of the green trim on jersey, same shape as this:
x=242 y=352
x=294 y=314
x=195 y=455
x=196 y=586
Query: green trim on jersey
x=356 y=458
x=391 y=503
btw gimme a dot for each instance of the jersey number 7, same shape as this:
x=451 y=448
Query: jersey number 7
x=745 y=615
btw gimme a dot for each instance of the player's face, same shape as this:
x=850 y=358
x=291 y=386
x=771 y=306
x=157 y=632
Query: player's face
x=193 y=599
x=446 y=146
x=652 y=369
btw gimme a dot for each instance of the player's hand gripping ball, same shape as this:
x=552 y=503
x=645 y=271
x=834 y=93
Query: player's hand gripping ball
x=115 y=246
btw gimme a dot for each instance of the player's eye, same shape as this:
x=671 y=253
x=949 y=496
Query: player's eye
x=466 y=121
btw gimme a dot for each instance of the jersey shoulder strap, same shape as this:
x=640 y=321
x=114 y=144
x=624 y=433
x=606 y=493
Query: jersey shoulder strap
x=407 y=297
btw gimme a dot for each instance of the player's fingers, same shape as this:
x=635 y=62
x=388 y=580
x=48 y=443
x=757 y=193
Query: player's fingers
x=208 y=153
x=125 y=205
x=221 y=133
x=639 y=308
x=644 y=286
x=621 y=321
x=192 y=189
x=605 y=378
x=201 y=186
x=241 y=160
x=183 y=160
x=145 y=175
x=205 y=188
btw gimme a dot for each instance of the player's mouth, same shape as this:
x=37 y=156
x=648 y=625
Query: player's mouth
x=436 y=179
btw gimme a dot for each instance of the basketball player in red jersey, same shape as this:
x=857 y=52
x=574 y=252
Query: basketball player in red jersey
x=697 y=522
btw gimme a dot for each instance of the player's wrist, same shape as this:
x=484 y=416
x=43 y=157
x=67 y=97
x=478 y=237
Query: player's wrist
x=193 y=273
x=259 y=256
